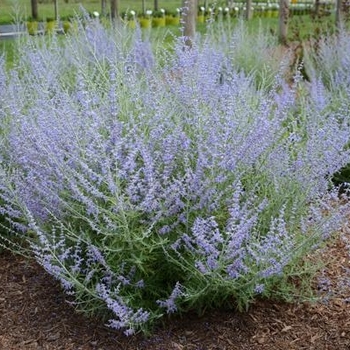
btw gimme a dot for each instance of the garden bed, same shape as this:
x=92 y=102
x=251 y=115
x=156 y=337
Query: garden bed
x=35 y=314
x=153 y=185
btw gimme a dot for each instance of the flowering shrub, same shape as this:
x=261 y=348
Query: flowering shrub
x=329 y=69
x=151 y=185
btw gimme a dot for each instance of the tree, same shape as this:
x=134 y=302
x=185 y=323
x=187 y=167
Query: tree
x=283 y=21
x=56 y=9
x=248 y=12
x=103 y=7
x=342 y=13
x=34 y=5
x=114 y=10
x=317 y=8
x=156 y=5
x=189 y=15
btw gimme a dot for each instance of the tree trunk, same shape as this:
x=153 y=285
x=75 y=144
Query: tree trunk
x=144 y=7
x=34 y=4
x=156 y=5
x=115 y=10
x=189 y=16
x=103 y=7
x=317 y=8
x=56 y=9
x=339 y=14
x=248 y=12
x=283 y=21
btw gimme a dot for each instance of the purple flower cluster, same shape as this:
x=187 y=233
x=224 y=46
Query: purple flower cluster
x=127 y=318
x=82 y=270
x=170 y=303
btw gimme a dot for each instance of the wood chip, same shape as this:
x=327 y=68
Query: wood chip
x=286 y=329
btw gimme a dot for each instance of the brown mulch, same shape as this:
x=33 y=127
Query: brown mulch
x=35 y=314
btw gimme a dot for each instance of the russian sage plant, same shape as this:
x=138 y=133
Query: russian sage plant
x=329 y=68
x=151 y=186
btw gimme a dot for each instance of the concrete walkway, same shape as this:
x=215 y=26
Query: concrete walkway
x=12 y=30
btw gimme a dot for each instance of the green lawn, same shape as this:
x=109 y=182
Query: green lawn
x=46 y=9
x=11 y=10
x=8 y=48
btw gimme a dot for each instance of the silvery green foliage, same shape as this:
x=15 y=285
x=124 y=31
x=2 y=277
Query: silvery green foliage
x=152 y=188
x=328 y=60
x=329 y=68
x=252 y=54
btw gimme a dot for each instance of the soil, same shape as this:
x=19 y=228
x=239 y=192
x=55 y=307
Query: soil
x=36 y=314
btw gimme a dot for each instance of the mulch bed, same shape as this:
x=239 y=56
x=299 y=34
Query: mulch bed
x=35 y=314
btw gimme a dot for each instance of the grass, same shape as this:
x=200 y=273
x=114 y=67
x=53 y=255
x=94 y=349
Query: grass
x=8 y=48
x=11 y=10
x=69 y=8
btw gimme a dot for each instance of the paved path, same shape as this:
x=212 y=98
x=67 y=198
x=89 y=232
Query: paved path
x=14 y=30
x=11 y=30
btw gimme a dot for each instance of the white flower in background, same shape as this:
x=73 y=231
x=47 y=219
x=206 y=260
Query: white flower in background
x=236 y=9
x=96 y=14
x=220 y=9
x=177 y=10
x=202 y=9
x=149 y=12
x=132 y=13
x=162 y=11
x=227 y=9
x=210 y=10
